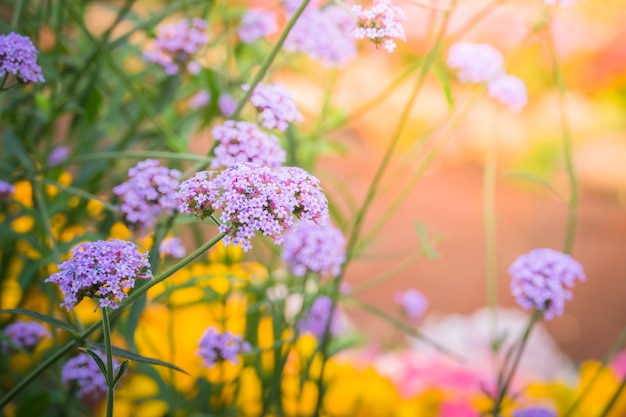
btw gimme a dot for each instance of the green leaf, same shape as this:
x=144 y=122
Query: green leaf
x=426 y=245
x=42 y=317
x=442 y=74
x=123 y=353
x=34 y=406
x=92 y=106
x=121 y=372
x=99 y=361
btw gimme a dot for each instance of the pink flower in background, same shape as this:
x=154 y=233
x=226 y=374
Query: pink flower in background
x=227 y=105
x=457 y=409
x=619 y=364
x=58 y=155
x=257 y=23
x=476 y=62
x=508 y=90
x=199 y=100
x=561 y=3
x=18 y=56
x=275 y=105
x=381 y=24
x=172 y=246
x=413 y=304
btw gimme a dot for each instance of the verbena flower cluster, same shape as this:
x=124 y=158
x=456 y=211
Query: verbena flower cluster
x=6 y=190
x=172 y=246
x=245 y=142
x=254 y=198
x=257 y=23
x=103 y=270
x=316 y=319
x=309 y=247
x=275 y=105
x=176 y=44
x=413 y=303
x=481 y=62
x=148 y=193
x=325 y=35
x=534 y=412
x=18 y=56
x=380 y=24
x=542 y=278
x=216 y=346
x=89 y=379
x=24 y=335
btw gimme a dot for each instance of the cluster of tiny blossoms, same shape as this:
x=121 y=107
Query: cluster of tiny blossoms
x=103 y=270
x=245 y=142
x=275 y=105
x=481 y=62
x=176 y=44
x=148 y=193
x=542 y=278
x=309 y=247
x=316 y=319
x=413 y=304
x=381 y=24
x=24 y=335
x=18 y=56
x=215 y=347
x=254 y=198
x=90 y=380
x=257 y=23
x=324 y=35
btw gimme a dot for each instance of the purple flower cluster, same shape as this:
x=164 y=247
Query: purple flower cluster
x=199 y=100
x=381 y=24
x=254 y=198
x=172 y=246
x=509 y=90
x=90 y=380
x=275 y=105
x=542 y=278
x=101 y=270
x=148 y=193
x=257 y=23
x=176 y=44
x=324 y=35
x=317 y=318
x=245 y=142
x=413 y=303
x=6 y=190
x=24 y=335
x=215 y=347
x=227 y=105
x=534 y=412
x=309 y=247
x=58 y=155
x=18 y=56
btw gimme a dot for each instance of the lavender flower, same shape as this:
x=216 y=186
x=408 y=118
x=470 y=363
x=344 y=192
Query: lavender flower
x=199 y=100
x=324 y=35
x=508 y=90
x=381 y=24
x=176 y=44
x=101 y=270
x=257 y=23
x=413 y=303
x=227 y=105
x=58 y=155
x=245 y=142
x=542 y=278
x=90 y=380
x=275 y=105
x=24 y=335
x=476 y=62
x=217 y=347
x=534 y=412
x=149 y=192
x=317 y=317
x=6 y=190
x=254 y=198
x=312 y=248
x=172 y=246
x=18 y=56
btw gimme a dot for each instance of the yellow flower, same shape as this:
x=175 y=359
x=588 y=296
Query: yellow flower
x=24 y=193
x=23 y=224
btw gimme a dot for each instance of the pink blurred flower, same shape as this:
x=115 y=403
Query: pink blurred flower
x=257 y=23
x=413 y=303
x=381 y=24
x=476 y=62
x=200 y=99
x=508 y=90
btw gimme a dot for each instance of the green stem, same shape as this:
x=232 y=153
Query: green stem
x=17 y=11
x=110 y=377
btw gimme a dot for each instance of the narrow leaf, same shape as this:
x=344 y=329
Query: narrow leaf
x=121 y=372
x=99 y=361
x=123 y=353
x=42 y=317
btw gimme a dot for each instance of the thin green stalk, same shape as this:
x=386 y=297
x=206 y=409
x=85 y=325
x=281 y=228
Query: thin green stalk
x=110 y=377
x=17 y=12
x=614 y=398
x=59 y=353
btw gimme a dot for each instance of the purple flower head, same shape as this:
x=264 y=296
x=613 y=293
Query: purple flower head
x=309 y=247
x=476 y=62
x=227 y=105
x=257 y=23
x=542 y=278
x=317 y=317
x=381 y=24
x=102 y=270
x=217 y=347
x=534 y=412
x=23 y=334
x=89 y=379
x=508 y=90
x=199 y=100
x=148 y=193
x=177 y=44
x=172 y=246
x=6 y=190
x=275 y=105
x=245 y=142
x=254 y=198
x=18 y=56
x=58 y=155
x=413 y=303
x=324 y=35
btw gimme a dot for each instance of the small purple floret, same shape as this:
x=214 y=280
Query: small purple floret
x=413 y=303
x=215 y=347
x=317 y=318
x=275 y=105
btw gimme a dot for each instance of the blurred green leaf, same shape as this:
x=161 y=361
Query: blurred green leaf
x=34 y=406
x=41 y=317
x=127 y=354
